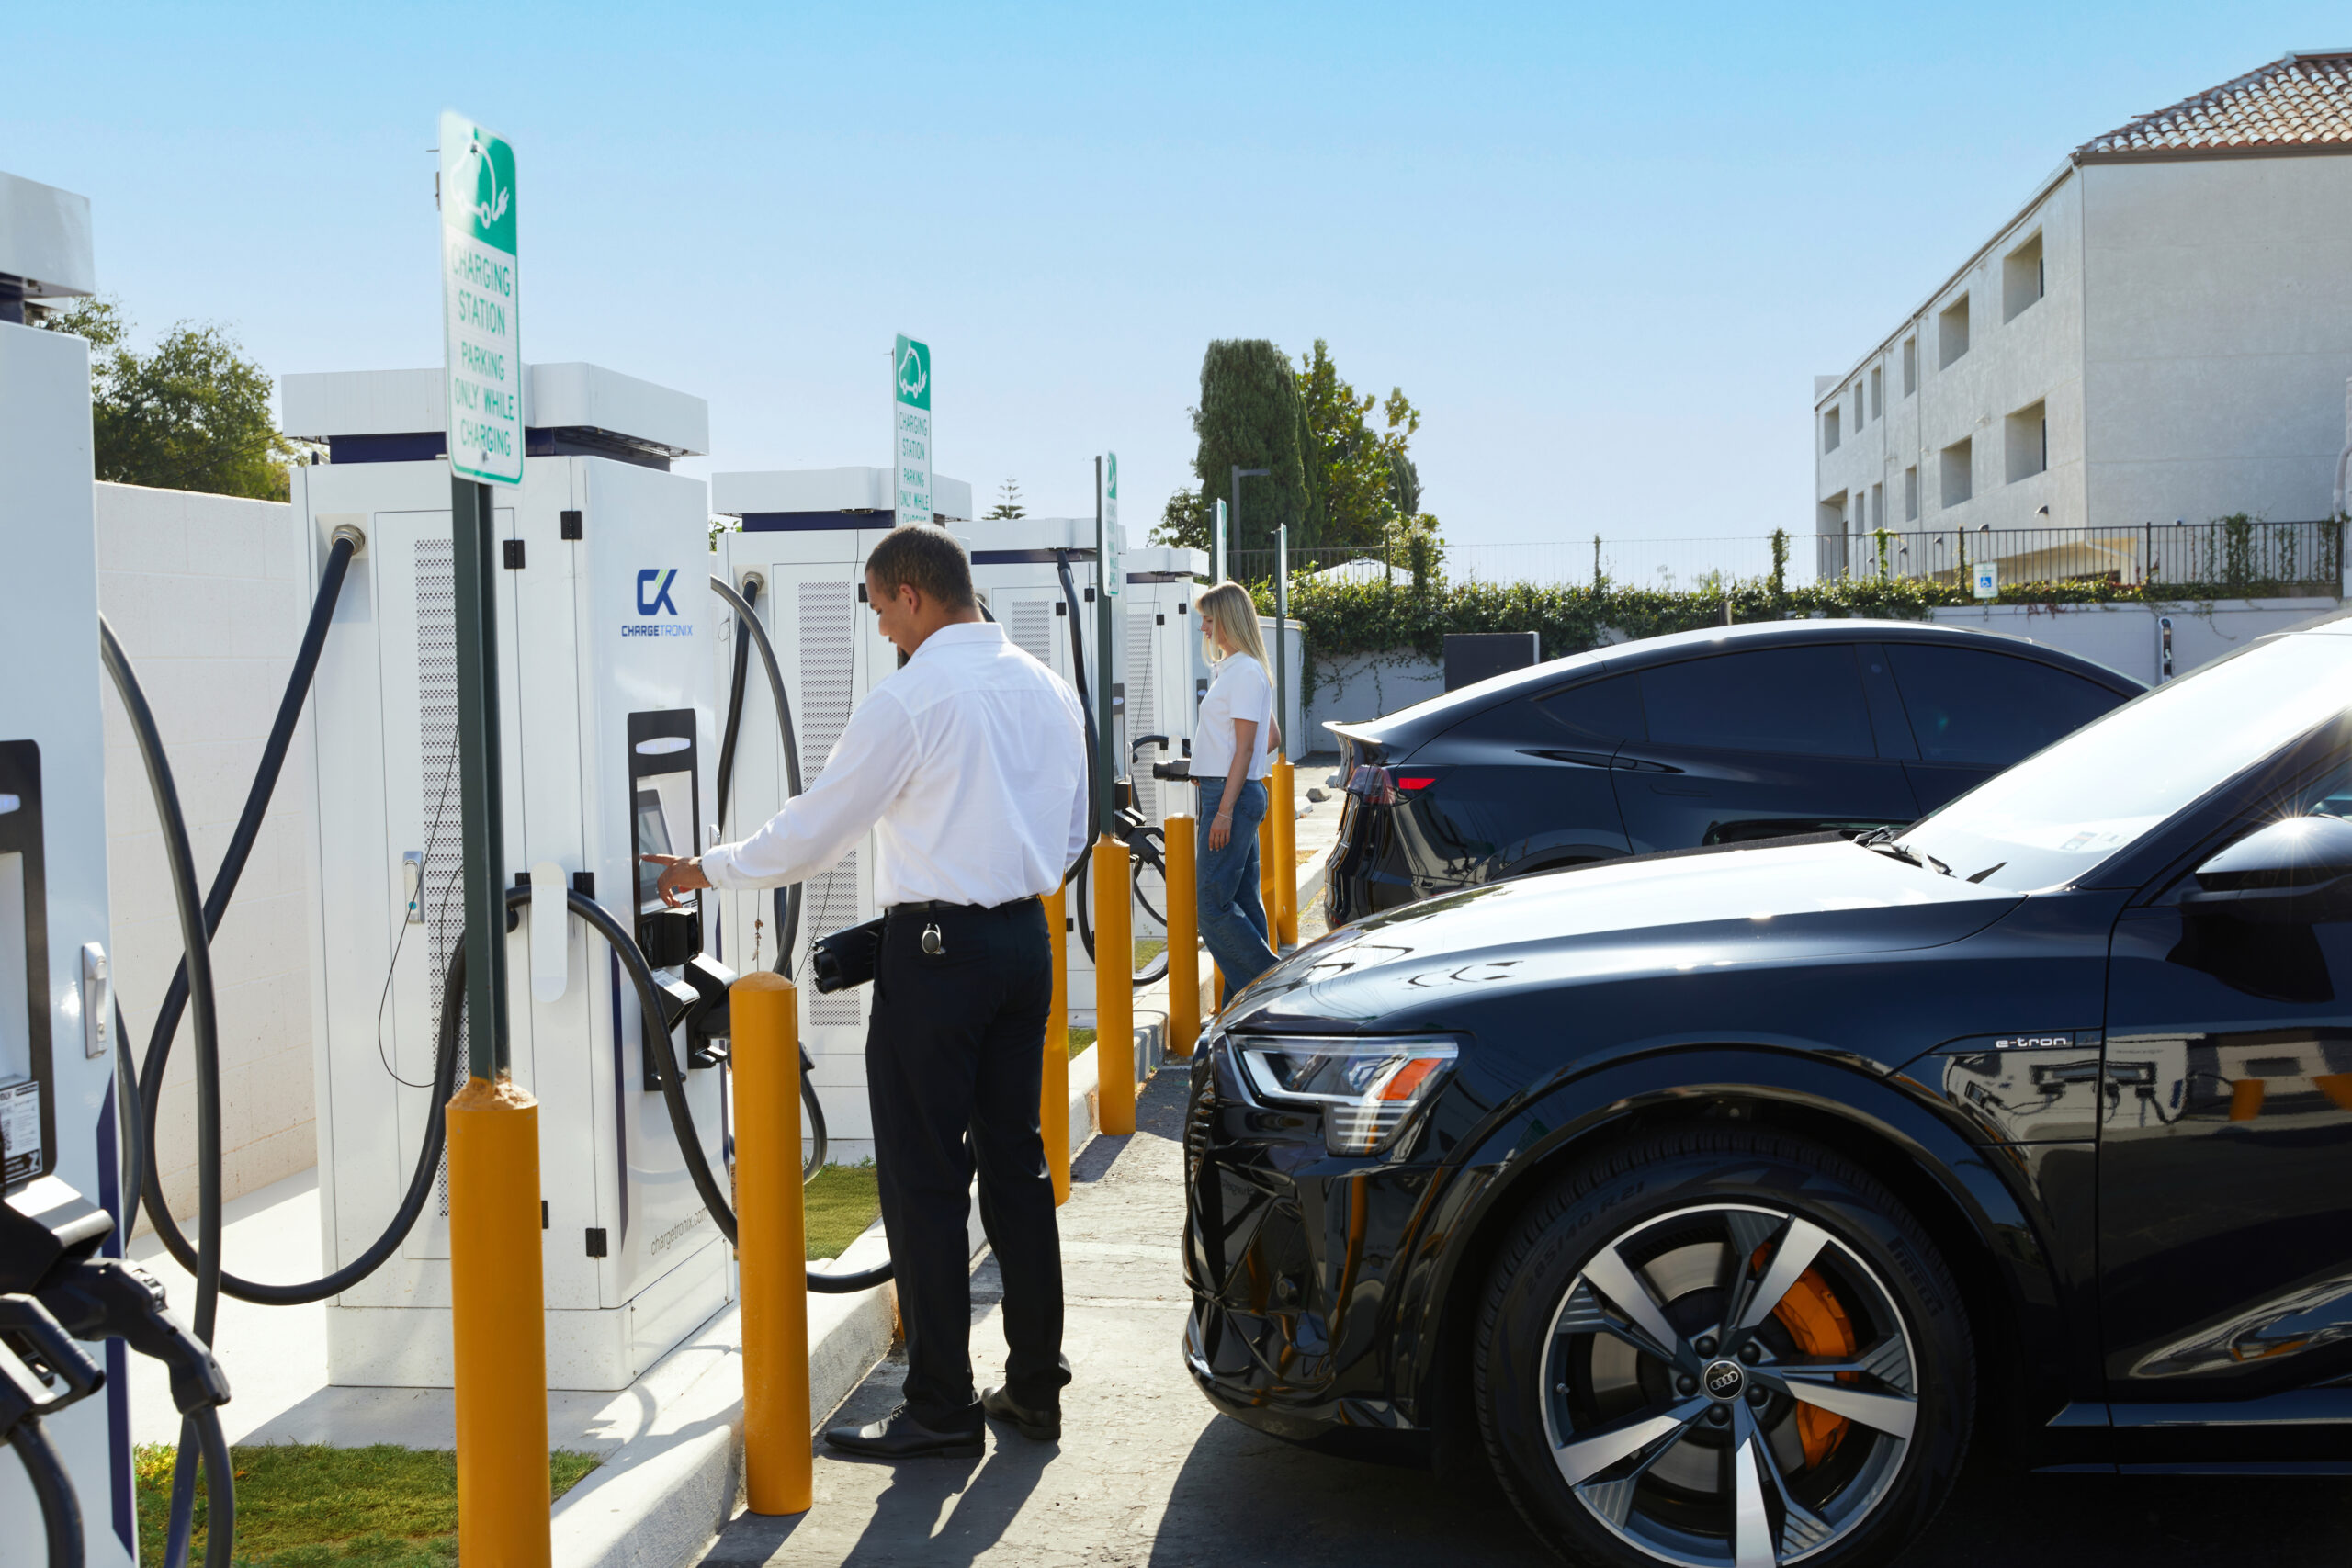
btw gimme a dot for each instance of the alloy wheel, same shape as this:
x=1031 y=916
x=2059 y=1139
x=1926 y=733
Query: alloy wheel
x=1729 y=1384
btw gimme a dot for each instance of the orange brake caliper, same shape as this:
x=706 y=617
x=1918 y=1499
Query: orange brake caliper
x=1815 y=1320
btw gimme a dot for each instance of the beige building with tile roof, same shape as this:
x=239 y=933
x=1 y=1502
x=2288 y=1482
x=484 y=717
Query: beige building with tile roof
x=2164 y=331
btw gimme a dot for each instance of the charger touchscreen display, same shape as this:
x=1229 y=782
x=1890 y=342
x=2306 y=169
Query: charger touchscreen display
x=653 y=839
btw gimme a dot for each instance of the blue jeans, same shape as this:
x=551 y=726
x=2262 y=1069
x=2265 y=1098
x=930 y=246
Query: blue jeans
x=1233 y=921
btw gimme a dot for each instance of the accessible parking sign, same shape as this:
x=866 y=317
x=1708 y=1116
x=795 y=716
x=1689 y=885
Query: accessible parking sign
x=482 y=325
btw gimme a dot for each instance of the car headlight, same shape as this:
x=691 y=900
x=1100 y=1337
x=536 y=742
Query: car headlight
x=1366 y=1085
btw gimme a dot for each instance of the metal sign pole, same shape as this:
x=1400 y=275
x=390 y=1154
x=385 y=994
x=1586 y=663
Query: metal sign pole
x=1281 y=628
x=1105 y=738
x=481 y=802
x=1216 y=558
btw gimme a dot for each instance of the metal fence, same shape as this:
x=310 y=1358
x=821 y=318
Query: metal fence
x=1644 y=563
x=2226 y=553
x=2241 y=555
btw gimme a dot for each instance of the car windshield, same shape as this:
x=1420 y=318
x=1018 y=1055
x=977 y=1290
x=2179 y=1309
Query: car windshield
x=2059 y=815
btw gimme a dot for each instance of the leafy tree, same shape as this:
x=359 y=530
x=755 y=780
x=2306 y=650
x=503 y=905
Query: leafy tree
x=1363 y=487
x=192 y=413
x=1250 y=415
x=1404 y=484
x=1008 y=505
x=1188 y=520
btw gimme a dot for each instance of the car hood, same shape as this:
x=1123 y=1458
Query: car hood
x=1675 y=914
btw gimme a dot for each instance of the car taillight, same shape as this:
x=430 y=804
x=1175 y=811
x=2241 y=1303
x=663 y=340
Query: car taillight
x=1370 y=783
x=1415 y=781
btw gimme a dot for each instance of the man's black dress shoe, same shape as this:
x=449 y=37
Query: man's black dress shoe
x=1038 y=1426
x=900 y=1435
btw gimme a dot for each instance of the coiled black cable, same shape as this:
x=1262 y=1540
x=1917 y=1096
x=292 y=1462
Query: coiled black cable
x=216 y=903
x=60 y=1511
x=130 y=1121
x=788 y=899
x=197 y=961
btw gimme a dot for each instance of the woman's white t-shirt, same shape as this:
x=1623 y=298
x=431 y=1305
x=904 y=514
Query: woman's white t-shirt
x=1240 y=691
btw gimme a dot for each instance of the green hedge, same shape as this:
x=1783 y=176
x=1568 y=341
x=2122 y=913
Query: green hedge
x=1346 y=618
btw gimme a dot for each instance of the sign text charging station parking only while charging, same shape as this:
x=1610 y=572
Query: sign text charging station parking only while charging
x=479 y=299
x=911 y=430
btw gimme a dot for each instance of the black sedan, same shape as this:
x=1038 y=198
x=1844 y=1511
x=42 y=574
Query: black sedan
x=1721 y=1198
x=1701 y=738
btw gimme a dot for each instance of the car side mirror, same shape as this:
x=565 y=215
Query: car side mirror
x=2298 y=871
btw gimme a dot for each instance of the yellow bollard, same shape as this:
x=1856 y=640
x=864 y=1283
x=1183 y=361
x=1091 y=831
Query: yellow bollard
x=1184 y=937
x=1217 y=980
x=1266 y=900
x=1115 y=991
x=772 y=1245
x=1284 y=812
x=498 y=1321
x=1053 y=1083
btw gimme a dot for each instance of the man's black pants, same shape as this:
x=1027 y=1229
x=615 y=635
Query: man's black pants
x=954 y=1049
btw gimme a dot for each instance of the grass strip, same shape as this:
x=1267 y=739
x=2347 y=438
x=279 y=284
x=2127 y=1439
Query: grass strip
x=839 y=1204
x=1080 y=1039
x=308 y=1505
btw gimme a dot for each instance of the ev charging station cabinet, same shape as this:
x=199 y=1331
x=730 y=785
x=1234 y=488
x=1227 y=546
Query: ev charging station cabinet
x=1167 y=675
x=57 y=1045
x=804 y=540
x=605 y=625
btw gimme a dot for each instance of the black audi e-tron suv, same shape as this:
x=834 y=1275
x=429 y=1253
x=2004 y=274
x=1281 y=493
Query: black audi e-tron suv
x=1700 y=737
x=1722 y=1197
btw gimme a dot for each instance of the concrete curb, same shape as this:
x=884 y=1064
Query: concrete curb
x=658 y=1499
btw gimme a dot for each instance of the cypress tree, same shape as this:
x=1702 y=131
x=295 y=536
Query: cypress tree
x=1251 y=414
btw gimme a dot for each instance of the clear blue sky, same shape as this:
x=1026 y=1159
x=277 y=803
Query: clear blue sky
x=1604 y=249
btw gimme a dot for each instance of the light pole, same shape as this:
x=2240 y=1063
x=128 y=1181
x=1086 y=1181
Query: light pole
x=1240 y=473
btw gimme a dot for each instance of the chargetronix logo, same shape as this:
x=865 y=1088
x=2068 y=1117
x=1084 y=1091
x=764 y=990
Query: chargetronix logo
x=657 y=611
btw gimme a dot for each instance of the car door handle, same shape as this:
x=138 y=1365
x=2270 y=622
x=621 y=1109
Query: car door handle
x=1579 y=759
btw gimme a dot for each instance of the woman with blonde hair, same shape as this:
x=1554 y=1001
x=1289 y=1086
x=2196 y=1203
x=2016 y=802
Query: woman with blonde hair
x=1233 y=747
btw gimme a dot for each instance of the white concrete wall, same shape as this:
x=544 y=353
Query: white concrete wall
x=2126 y=636
x=1362 y=687
x=2218 y=336
x=209 y=594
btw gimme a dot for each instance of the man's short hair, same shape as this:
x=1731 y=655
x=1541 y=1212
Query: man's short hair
x=929 y=559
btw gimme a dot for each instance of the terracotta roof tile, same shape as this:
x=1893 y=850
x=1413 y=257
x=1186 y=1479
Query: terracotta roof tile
x=2299 y=101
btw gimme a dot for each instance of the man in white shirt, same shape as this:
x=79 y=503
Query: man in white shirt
x=969 y=765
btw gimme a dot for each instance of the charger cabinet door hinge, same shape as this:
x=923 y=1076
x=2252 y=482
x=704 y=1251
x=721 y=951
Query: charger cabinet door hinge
x=569 y=524
x=514 y=555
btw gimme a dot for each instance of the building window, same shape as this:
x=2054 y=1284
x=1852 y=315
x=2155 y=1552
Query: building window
x=2021 y=279
x=1911 y=493
x=1878 y=506
x=1910 y=365
x=1878 y=391
x=1959 y=476
x=1952 y=332
x=1829 y=430
x=2026 y=442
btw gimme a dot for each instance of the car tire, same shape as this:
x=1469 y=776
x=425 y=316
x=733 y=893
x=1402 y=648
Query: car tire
x=1772 y=1263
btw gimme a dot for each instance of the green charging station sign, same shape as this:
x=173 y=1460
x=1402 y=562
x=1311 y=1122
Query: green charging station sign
x=910 y=429
x=481 y=323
